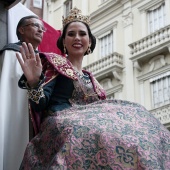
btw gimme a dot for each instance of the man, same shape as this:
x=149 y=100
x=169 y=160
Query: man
x=13 y=101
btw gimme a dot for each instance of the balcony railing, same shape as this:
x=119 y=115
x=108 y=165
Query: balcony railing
x=158 y=39
x=112 y=62
x=162 y=114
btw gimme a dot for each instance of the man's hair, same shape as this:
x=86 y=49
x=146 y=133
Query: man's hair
x=23 y=22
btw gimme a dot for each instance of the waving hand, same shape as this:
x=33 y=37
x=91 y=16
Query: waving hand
x=30 y=64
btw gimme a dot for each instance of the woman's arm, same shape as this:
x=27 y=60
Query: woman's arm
x=33 y=79
x=38 y=96
x=42 y=94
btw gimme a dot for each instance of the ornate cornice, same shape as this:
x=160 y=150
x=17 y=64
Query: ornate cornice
x=105 y=10
x=150 y=5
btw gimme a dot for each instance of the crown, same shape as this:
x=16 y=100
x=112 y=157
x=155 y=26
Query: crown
x=75 y=15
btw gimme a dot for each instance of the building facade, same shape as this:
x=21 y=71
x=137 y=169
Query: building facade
x=5 y=5
x=132 y=55
x=35 y=6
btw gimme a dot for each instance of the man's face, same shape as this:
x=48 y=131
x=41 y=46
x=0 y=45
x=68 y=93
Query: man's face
x=32 y=31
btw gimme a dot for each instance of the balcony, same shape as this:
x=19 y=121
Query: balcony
x=162 y=114
x=110 y=65
x=151 y=45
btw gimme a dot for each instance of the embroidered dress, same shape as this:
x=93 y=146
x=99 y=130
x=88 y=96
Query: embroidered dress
x=98 y=134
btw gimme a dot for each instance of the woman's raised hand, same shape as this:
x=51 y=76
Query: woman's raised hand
x=30 y=64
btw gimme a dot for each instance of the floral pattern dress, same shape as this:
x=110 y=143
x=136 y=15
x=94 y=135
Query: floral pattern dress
x=100 y=135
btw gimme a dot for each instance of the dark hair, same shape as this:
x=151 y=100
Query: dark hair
x=23 y=22
x=60 y=39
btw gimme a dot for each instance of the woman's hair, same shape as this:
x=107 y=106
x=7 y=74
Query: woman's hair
x=22 y=22
x=60 y=44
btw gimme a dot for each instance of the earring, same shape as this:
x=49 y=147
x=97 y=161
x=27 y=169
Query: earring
x=64 y=49
x=89 y=50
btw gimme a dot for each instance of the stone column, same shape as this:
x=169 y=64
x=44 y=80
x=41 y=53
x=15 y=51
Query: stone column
x=127 y=17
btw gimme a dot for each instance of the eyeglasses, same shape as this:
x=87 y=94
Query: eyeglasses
x=36 y=25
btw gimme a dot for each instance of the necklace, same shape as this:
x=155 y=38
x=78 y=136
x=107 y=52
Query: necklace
x=85 y=85
x=84 y=77
x=87 y=88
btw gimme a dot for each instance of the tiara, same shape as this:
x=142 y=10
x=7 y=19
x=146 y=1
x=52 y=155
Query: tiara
x=75 y=15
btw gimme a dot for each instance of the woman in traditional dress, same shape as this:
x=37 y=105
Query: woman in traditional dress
x=75 y=126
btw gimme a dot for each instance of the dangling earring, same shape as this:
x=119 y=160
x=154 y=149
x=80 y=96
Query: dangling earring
x=89 y=50
x=64 y=49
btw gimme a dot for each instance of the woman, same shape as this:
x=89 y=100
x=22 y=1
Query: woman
x=76 y=128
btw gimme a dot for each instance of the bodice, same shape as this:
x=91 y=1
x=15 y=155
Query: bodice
x=83 y=92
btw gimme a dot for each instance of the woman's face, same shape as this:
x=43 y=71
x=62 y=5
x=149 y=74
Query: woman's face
x=76 y=39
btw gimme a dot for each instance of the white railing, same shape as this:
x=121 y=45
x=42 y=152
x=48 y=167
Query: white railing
x=157 y=38
x=105 y=63
x=162 y=114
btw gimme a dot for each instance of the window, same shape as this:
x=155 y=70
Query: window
x=160 y=88
x=68 y=7
x=156 y=17
x=37 y=3
x=106 y=44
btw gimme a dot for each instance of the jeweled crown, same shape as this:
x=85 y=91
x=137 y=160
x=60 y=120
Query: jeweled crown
x=76 y=15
